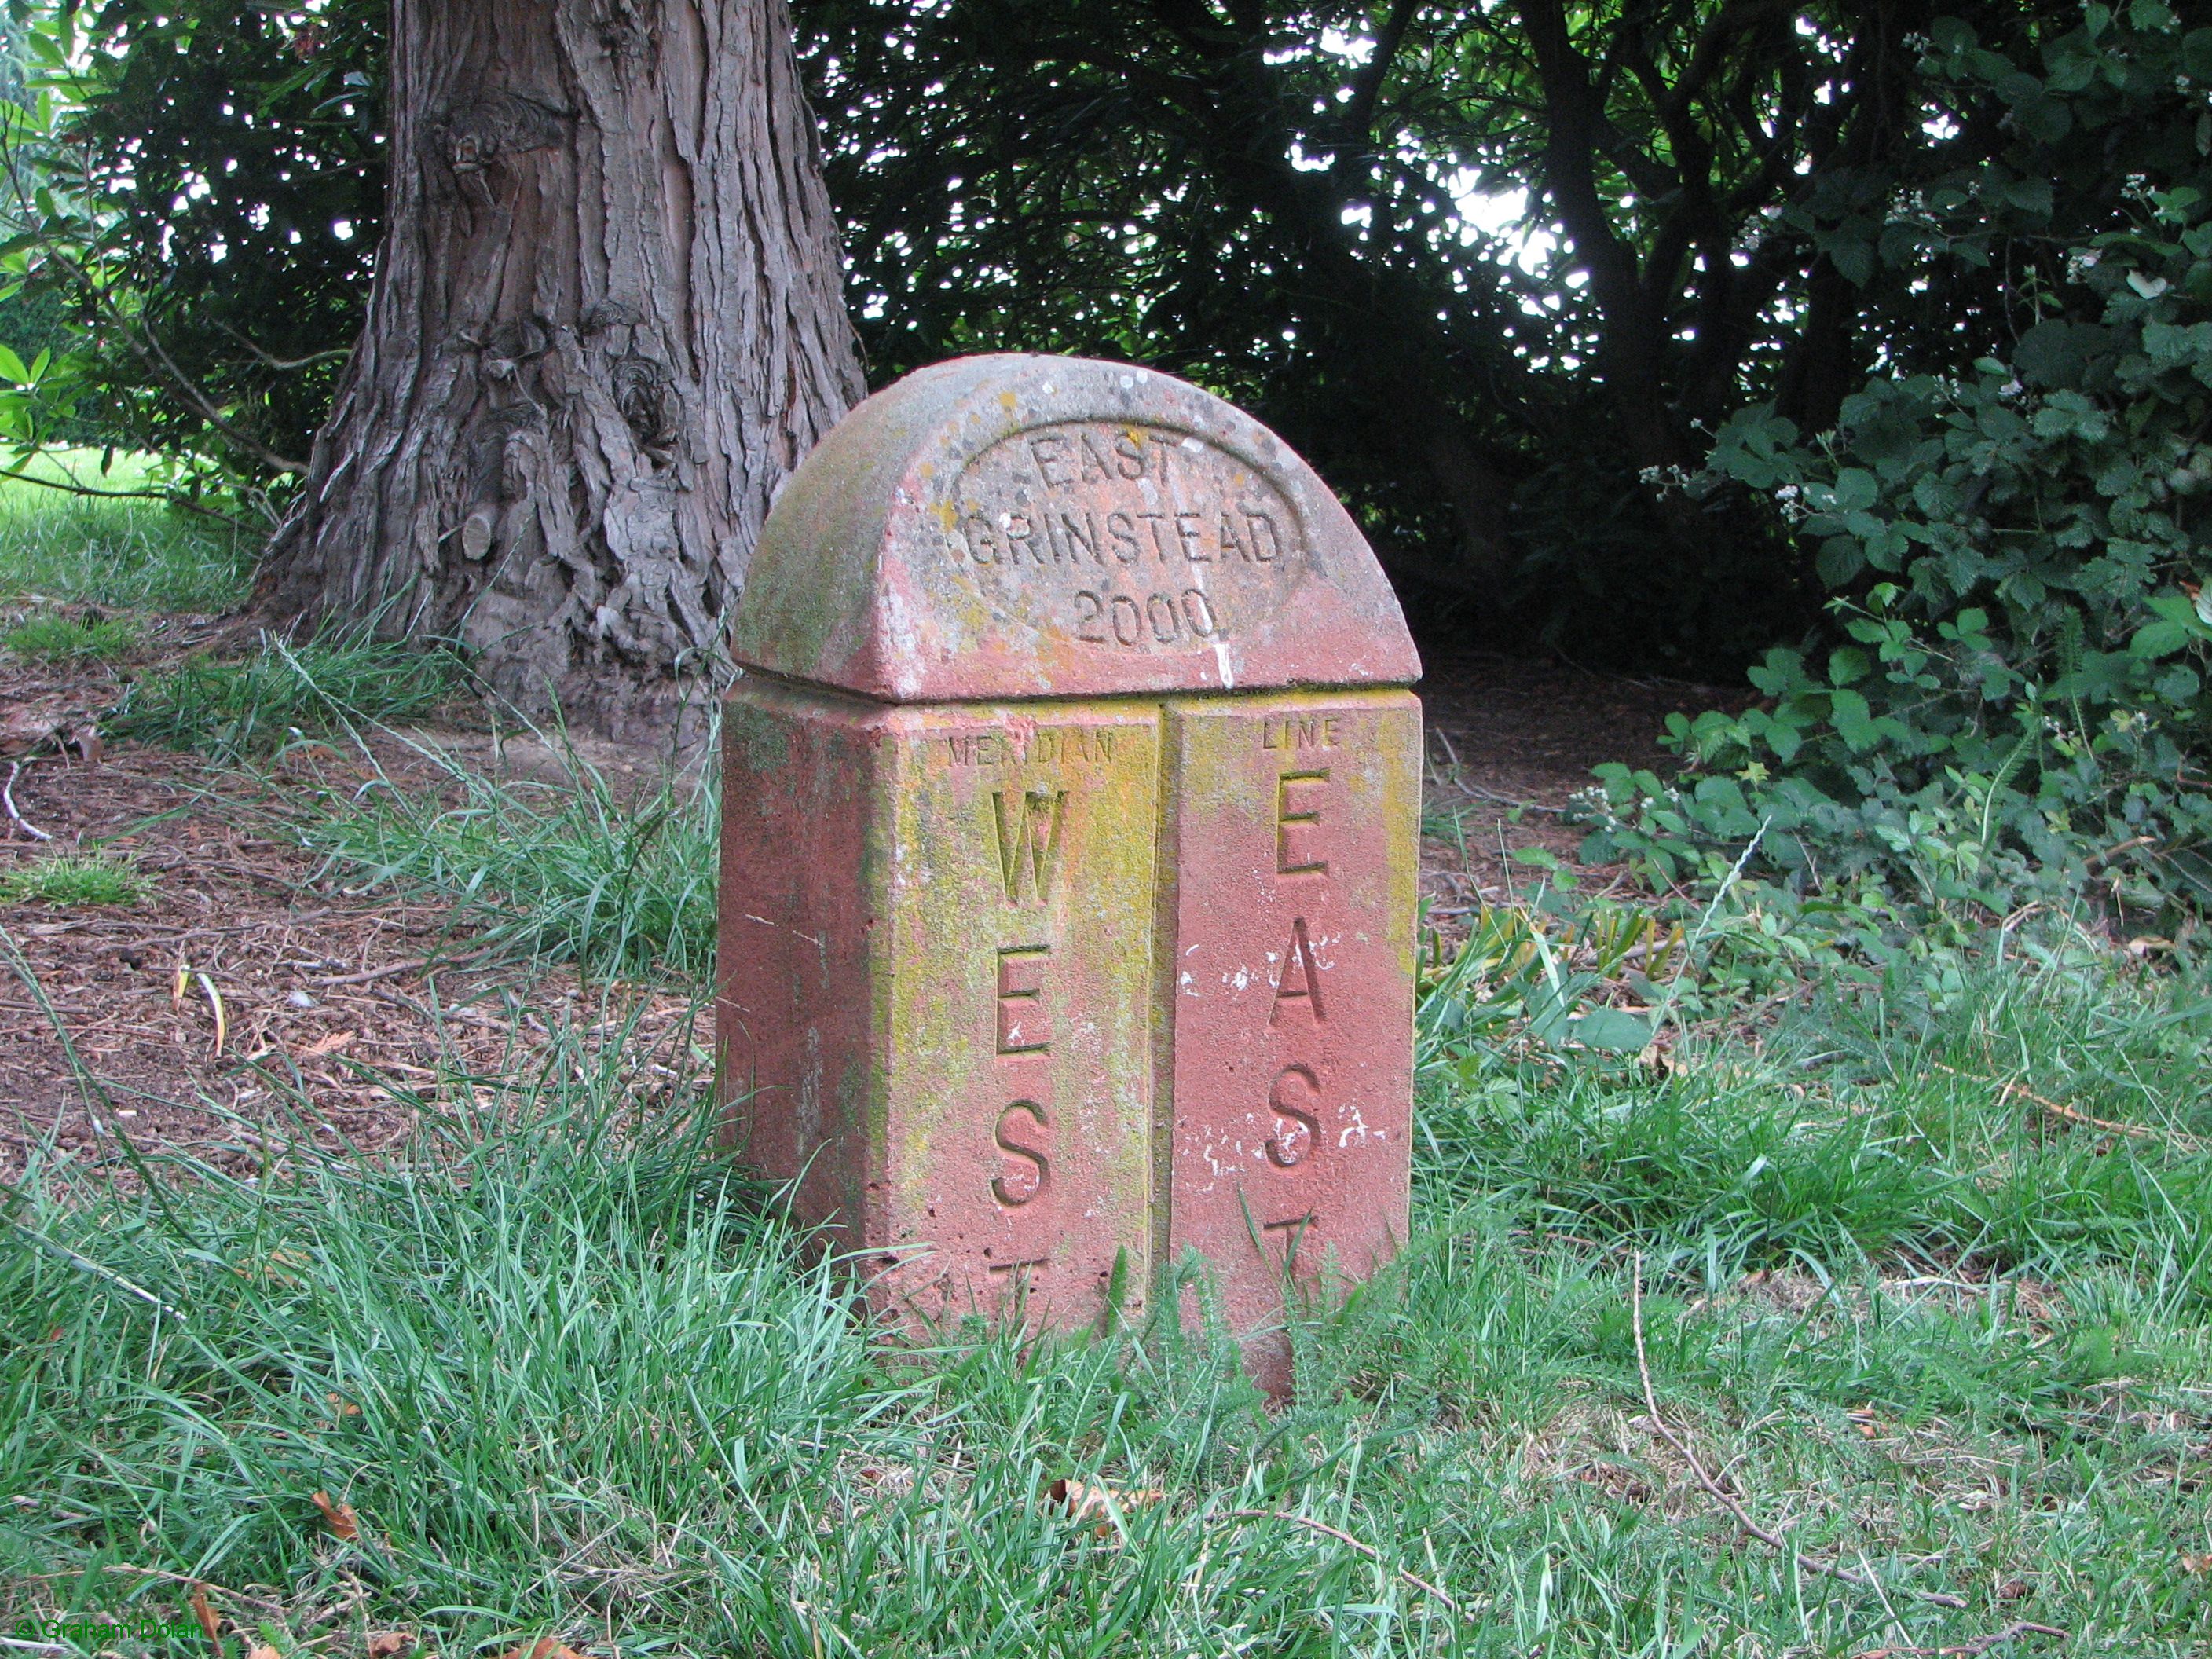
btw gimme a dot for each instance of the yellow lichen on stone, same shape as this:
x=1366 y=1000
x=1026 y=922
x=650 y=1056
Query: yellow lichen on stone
x=1023 y=832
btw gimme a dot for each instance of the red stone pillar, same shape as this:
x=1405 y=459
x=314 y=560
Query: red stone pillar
x=1071 y=795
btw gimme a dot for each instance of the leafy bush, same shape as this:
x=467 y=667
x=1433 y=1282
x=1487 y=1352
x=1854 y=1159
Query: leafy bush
x=189 y=209
x=229 y=710
x=2013 y=704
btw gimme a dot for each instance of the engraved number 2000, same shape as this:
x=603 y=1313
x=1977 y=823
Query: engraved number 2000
x=1122 y=619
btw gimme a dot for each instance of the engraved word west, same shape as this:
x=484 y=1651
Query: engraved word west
x=1068 y=857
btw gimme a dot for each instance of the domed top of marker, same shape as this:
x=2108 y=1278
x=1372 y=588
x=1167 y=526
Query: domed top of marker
x=1021 y=527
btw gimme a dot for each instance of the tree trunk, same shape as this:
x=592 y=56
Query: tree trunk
x=607 y=322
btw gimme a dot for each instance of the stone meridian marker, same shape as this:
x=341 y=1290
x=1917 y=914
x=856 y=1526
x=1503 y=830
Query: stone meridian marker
x=1070 y=832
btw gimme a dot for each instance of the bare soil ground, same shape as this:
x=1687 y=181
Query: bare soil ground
x=1510 y=740
x=254 y=986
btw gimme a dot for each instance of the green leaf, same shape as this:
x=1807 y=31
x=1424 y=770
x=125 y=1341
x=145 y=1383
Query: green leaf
x=1856 y=490
x=2179 y=684
x=2057 y=353
x=1854 y=721
x=1839 y=561
x=1614 y=1030
x=1853 y=257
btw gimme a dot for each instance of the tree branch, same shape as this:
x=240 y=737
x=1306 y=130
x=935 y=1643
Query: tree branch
x=283 y=365
x=1367 y=83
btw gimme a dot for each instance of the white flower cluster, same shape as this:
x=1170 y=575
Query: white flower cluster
x=1594 y=807
x=1666 y=477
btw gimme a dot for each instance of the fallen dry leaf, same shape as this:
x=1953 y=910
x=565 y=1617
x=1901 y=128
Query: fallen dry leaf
x=390 y=1643
x=29 y=727
x=344 y=1524
x=262 y=1650
x=209 y=1623
x=336 y=1043
x=274 y=1266
x=1082 y=1502
x=548 y=1648
x=2196 y=1566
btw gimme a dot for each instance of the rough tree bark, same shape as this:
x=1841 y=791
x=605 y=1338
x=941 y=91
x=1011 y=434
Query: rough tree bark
x=607 y=321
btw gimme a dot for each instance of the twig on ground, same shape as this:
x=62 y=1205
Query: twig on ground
x=1480 y=794
x=1973 y=1649
x=392 y=968
x=8 y=794
x=1341 y=1537
x=1777 y=1542
x=85 y=1264
x=2175 y=1138
x=2075 y=1114
x=196 y=1583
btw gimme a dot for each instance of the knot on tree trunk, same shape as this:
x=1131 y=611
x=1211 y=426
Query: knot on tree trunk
x=471 y=136
x=644 y=393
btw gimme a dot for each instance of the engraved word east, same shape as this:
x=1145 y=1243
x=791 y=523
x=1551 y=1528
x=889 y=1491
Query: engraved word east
x=1134 y=538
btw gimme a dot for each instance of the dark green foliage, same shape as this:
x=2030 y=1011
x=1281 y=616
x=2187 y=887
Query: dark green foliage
x=1728 y=203
x=2016 y=706
x=200 y=197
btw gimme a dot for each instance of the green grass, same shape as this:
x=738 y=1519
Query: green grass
x=135 y=553
x=71 y=879
x=603 y=1394
x=577 y=1378
x=582 y=871
x=56 y=639
x=233 y=710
